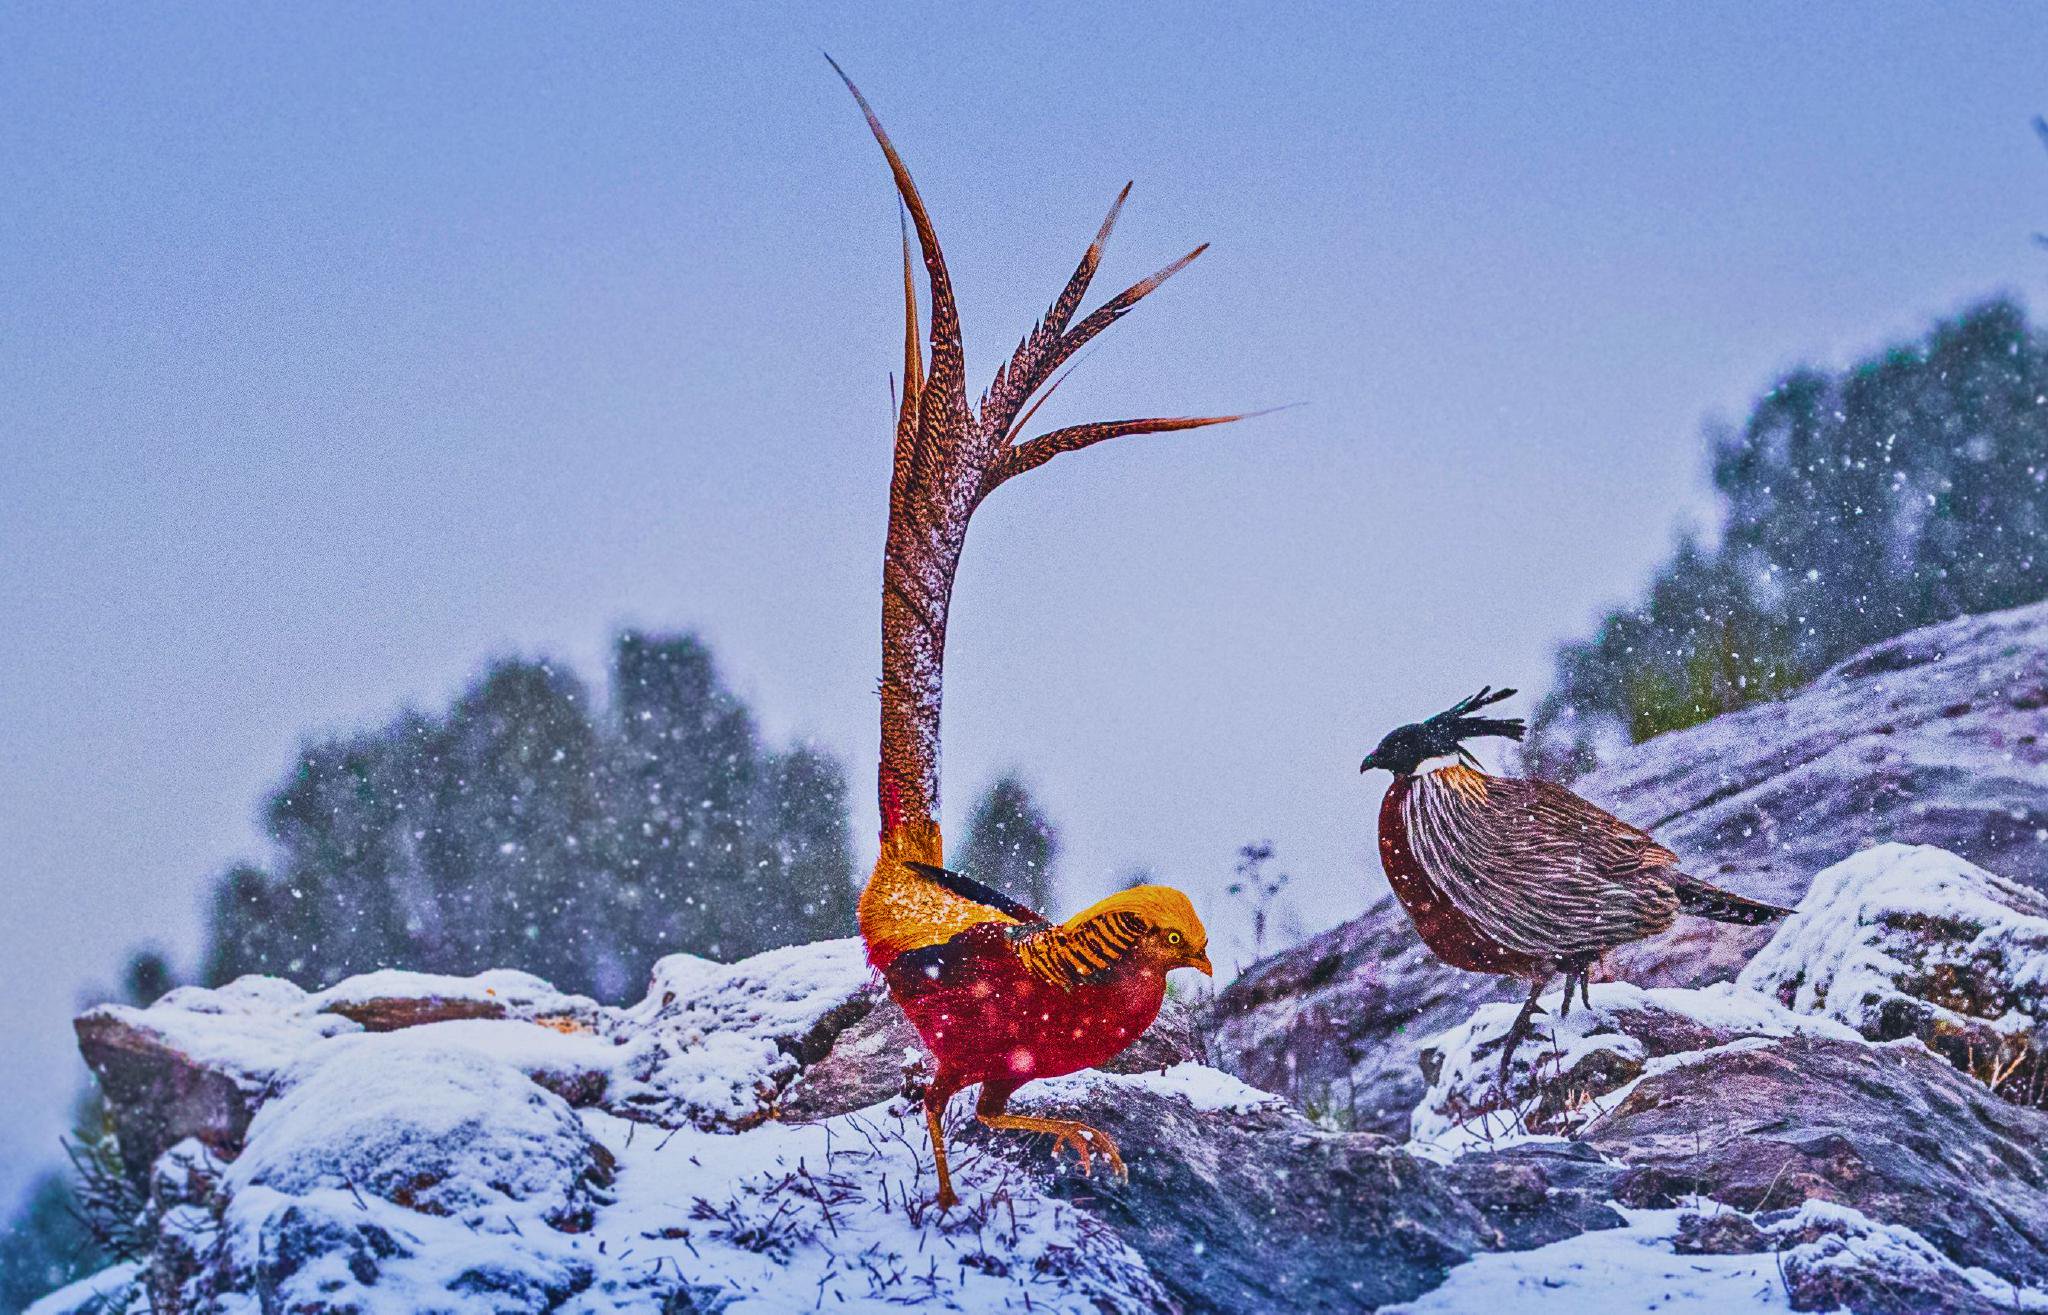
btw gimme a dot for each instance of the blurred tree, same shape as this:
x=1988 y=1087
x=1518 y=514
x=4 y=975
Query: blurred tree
x=45 y=1244
x=1012 y=845
x=1908 y=489
x=686 y=766
x=807 y=888
x=511 y=851
x=525 y=828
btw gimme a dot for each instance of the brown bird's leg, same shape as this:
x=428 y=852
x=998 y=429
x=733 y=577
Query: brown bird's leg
x=1578 y=972
x=936 y=1095
x=1065 y=1132
x=1516 y=1033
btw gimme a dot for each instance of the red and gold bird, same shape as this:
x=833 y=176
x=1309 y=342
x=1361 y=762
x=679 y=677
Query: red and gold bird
x=1522 y=878
x=999 y=994
x=1011 y=996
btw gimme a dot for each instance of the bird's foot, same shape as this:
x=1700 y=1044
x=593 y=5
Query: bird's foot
x=1083 y=1140
x=947 y=1197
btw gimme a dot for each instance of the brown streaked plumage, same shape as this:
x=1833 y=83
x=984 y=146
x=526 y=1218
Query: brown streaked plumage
x=1522 y=877
x=999 y=994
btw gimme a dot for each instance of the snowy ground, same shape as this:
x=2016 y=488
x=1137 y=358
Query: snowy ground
x=1627 y=1270
x=509 y=1148
x=1618 y=1271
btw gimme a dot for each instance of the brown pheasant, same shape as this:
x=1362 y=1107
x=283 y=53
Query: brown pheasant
x=1522 y=877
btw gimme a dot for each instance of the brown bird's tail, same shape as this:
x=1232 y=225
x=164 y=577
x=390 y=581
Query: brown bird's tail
x=1704 y=901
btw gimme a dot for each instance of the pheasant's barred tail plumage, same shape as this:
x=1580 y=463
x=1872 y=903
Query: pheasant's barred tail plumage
x=949 y=456
x=1704 y=901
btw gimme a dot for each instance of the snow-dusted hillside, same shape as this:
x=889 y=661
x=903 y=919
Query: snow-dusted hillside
x=405 y=1143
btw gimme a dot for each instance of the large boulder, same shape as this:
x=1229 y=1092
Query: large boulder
x=716 y=1045
x=198 y=1062
x=441 y=1131
x=1937 y=737
x=1574 y=1066
x=1891 y=1131
x=1912 y=941
x=1240 y=1204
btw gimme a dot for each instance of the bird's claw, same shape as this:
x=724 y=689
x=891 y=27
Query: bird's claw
x=1078 y=1138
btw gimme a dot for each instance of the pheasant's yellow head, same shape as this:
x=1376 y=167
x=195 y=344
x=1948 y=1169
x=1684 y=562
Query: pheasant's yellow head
x=1173 y=935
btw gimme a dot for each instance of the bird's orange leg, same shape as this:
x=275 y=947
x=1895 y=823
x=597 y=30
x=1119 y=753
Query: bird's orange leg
x=935 y=1098
x=1065 y=1132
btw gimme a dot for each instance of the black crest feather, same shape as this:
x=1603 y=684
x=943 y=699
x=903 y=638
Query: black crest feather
x=1457 y=719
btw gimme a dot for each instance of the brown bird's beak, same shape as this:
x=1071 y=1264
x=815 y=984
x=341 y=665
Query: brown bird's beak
x=1200 y=962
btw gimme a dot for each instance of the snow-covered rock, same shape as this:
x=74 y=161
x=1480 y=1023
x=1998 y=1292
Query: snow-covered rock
x=437 y=1129
x=644 y=1160
x=197 y=1062
x=392 y=998
x=1819 y=1257
x=1912 y=941
x=1239 y=1204
x=1937 y=737
x=716 y=1044
x=1573 y=1067
x=1889 y=1130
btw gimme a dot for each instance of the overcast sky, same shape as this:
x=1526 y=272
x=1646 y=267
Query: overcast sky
x=345 y=347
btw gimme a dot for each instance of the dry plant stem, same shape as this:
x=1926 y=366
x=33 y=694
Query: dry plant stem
x=1517 y=1032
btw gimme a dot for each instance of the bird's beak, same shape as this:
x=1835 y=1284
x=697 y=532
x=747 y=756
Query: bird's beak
x=1368 y=764
x=1200 y=962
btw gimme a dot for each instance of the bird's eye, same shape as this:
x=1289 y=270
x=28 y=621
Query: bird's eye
x=1173 y=938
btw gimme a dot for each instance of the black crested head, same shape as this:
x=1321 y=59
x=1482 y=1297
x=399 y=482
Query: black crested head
x=1407 y=748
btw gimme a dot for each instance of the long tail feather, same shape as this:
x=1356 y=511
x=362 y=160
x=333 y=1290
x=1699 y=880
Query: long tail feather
x=1704 y=901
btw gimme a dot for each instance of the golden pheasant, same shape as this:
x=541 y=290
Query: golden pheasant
x=1522 y=877
x=999 y=994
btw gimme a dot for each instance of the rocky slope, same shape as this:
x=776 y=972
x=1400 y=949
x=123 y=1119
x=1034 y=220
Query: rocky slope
x=1937 y=737
x=738 y=1142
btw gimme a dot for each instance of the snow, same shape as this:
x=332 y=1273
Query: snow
x=778 y=1218
x=712 y=1043
x=1617 y=1271
x=252 y=1029
x=1897 y=914
x=1846 y=1239
x=1208 y=1090
x=1458 y=1112
x=96 y=1294
x=333 y=1250
x=1632 y=1269
x=530 y=1049
x=445 y=1131
x=836 y=1215
x=517 y=994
